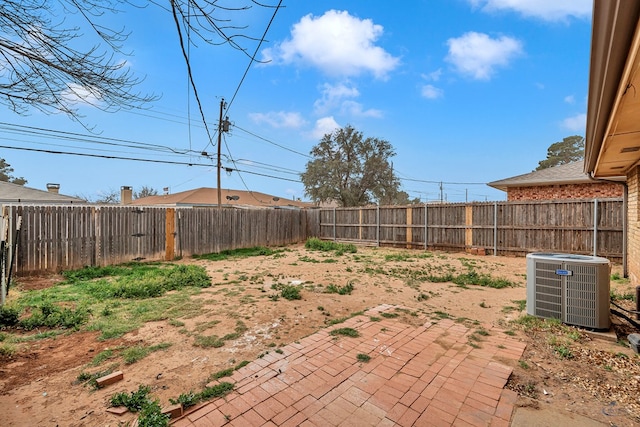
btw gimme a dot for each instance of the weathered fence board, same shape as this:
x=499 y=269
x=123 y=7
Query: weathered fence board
x=502 y=227
x=56 y=238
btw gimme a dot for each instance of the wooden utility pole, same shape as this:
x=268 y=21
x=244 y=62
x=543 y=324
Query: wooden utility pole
x=219 y=152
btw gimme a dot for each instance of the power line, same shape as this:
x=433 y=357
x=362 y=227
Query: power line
x=272 y=143
x=167 y=162
x=253 y=57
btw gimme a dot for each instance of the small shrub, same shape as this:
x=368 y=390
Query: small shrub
x=9 y=316
x=151 y=416
x=134 y=401
x=290 y=292
x=51 y=316
x=340 y=290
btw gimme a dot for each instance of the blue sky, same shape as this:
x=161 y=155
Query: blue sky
x=466 y=91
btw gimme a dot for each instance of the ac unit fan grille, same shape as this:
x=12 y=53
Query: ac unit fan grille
x=548 y=295
x=581 y=296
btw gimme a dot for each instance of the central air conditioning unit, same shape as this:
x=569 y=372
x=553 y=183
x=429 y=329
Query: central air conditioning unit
x=571 y=288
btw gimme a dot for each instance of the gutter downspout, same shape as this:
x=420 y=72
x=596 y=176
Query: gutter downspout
x=625 y=196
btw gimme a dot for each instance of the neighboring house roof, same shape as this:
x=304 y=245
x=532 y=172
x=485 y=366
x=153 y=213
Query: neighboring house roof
x=570 y=173
x=209 y=197
x=13 y=193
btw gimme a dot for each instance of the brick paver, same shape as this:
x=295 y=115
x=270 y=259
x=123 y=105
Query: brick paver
x=430 y=375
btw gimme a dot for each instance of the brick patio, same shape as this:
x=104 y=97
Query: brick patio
x=432 y=375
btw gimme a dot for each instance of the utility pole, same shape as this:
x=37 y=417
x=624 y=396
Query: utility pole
x=220 y=130
x=440 y=191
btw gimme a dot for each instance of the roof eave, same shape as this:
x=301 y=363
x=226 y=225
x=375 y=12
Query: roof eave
x=614 y=24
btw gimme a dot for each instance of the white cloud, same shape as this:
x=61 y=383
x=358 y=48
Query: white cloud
x=333 y=96
x=478 y=55
x=353 y=108
x=339 y=97
x=570 y=99
x=577 y=123
x=279 y=119
x=431 y=92
x=324 y=126
x=548 y=10
x=336 y=43
x=433 y=76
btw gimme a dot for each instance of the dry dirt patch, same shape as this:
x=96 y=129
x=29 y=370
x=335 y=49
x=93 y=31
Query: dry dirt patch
x=38 y=383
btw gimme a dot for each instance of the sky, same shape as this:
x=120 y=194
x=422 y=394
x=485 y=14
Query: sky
x=466 y=91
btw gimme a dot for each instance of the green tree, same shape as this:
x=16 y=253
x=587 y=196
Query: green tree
x=570 y=149
x=351 y=170
x=5 y=174
x=145 y=192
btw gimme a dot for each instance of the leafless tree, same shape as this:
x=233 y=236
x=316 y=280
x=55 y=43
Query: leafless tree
x=44 y=62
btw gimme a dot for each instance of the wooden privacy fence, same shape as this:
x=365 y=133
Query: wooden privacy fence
x=593 y=227
x=54 y=238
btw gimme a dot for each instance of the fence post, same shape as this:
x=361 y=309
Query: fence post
x=426 y=228
x=334 y=224
x=170 y=239
x=595 y=227
x=495 y=228
x=378 y=225
x=360 y=223
x=468 y=226
x=409 y=222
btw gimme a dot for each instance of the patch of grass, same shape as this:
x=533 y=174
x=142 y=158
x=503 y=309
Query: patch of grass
x=363 y=357
x=7 y=349
x=389 y=315
x=133 y=354
x=208 y=341
x=239 y=253
x=316 y=244
x=289 y=292
x=340 y=290
x=482 y=332
x=347 y=332
x=628 y=296
x=336 y=321
x=563 y=351
x=375 y=318
x=133 y=401
x=441 y=315
x=521 y=303
x=523 y=364
x=50 y=315
x=101 y=357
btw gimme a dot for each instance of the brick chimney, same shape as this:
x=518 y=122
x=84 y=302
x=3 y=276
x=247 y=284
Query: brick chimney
x=126 y=195
x=53 y=188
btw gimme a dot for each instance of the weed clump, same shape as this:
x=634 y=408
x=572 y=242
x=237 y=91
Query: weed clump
x=316 y=244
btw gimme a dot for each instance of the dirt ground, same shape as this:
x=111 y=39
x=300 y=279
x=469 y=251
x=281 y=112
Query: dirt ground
x=38 y=386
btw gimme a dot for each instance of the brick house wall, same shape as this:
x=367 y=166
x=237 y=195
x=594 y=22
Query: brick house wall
x=633 y=230
x=566 y=191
